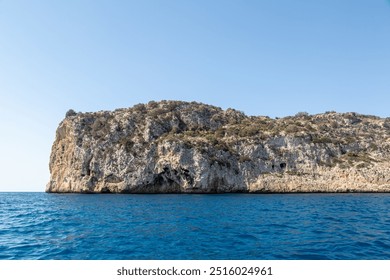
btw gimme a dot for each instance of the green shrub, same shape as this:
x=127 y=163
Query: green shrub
x=321 y=140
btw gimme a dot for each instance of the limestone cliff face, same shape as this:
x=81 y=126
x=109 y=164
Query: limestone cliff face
x=180 y=147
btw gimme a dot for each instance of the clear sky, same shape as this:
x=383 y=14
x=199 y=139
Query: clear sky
x=264 y=57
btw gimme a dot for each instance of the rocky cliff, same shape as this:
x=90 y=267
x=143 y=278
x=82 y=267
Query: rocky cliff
x=180 y=147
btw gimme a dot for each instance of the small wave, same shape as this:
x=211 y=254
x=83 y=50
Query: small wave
x=308 y=256
x=247 y=237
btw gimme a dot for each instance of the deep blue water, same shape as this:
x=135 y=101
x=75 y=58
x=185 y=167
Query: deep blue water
x=231 y=226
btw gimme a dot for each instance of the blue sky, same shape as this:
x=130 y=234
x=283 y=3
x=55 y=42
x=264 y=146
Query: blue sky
x=264 y=57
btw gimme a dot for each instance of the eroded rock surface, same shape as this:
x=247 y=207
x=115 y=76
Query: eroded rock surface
x=180 y=147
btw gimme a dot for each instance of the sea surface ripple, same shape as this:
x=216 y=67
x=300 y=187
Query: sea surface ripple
x=182 y=227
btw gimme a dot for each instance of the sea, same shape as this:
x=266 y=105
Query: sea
x=194 y=227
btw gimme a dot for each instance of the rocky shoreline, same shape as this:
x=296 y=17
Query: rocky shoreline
x=182 y=147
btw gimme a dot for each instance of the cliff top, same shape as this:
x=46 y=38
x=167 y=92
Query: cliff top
x=196 y=119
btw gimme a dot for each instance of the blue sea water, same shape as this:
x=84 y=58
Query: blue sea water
x=223 y=226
